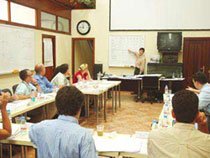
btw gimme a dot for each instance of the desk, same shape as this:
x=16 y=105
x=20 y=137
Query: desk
x=24 y=106
x=92 y=88
x=133 y=83
x=99 y=89
x=24 y=141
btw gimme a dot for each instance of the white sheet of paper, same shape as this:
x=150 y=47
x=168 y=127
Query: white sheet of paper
x=120 y=143
x=48 y=52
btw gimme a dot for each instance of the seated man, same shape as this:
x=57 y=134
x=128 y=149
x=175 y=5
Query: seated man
x=182 y=140
x=7 y=129
x=203 y=91
x=25 y=88
x=42 y=81
x=64 y=137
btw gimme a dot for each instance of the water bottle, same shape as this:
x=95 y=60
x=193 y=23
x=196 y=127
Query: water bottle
x=23 y=125
x=154 y=125
x=166 y=89
x=9 y=115
x=166 y=108
x=181 y=75
x=33 y=96
x=165 y=120
x=99 y=76
x=173 y=75
x=173 y=122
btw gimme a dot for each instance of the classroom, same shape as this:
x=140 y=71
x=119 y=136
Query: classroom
x=104 y=78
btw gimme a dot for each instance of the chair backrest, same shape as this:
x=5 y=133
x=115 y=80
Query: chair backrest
x=150 y=83
x=7 y=90
x=14 y=88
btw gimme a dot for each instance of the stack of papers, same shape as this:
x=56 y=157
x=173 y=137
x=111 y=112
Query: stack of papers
x=118 y=143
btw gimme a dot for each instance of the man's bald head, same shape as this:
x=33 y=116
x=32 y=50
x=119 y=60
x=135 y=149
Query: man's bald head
x=40 y=69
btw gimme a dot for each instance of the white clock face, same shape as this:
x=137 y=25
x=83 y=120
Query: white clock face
x=83 y=27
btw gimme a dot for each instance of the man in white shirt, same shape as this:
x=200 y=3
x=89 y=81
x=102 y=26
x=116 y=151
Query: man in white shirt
x=182 y=140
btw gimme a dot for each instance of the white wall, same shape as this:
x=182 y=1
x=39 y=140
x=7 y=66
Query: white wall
x=99 y=20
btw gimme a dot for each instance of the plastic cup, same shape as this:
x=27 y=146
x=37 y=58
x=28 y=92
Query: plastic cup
x=18 y=120
x=100 y=130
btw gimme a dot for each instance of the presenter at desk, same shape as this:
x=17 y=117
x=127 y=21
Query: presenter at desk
x=140 y=61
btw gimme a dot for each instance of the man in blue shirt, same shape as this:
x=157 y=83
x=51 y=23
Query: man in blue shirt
x=64 y=137
x=43 y=82
x=0 y=92
x=203 y=91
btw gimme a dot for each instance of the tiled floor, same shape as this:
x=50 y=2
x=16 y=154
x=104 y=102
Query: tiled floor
x=129 y=118
x=132 y=116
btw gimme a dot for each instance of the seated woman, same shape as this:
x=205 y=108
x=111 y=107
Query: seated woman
x=83 y=74
x=61 y=76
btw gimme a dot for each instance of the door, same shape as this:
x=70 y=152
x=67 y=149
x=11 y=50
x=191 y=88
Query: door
x=83 y=51
x=48 y=54
x=196 y=57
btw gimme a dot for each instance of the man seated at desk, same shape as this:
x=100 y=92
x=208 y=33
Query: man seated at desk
x=42 y=81
x=64 y=137
x=7 y=129
x=25 y=88
x=203 y=91
x=182 y=140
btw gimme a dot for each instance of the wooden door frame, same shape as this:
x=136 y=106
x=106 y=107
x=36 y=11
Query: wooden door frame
x=54 y=48
x=73 y=52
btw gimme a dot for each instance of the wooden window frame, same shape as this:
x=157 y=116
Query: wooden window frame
x=37 y=20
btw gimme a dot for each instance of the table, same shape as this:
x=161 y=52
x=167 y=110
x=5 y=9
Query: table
x=99 y=89
x=23 y=140
x=91 y=88
x=133 y=83
x=24 y=106
x=127 y=83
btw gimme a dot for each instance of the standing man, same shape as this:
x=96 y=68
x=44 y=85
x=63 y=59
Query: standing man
x=140 y=61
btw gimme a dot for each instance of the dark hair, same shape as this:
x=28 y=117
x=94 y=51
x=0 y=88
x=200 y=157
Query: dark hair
x=185 y=106
x=23 y=74
x=142 y=49
x=69 y=100
x=200 y=77
x=62 y=69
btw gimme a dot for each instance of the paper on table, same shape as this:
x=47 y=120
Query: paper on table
x=120 y=143
x=16 y=104
x=142 y=135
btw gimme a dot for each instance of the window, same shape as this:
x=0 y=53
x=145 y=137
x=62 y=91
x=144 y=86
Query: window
x=48 y=21
x=22 y=14
x=63 y=24
x=3 y=10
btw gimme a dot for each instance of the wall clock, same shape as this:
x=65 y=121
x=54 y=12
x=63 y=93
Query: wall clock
x=83 y=27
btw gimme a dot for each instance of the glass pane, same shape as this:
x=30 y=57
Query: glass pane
x=3 y=10
x=63 y=24
x=48 y=21
x=22 y=14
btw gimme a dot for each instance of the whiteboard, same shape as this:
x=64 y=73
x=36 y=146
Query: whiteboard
x=118 y=49
x=16 y=48
x=159 y=15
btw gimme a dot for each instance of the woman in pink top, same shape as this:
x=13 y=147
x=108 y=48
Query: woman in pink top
x=82 y=74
